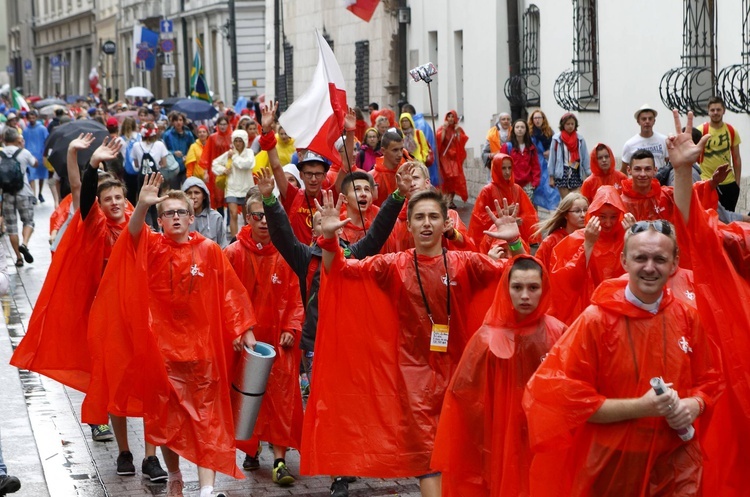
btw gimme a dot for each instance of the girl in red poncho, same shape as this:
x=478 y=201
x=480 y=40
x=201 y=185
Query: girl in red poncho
x=451 y=145
x=569 y=216
x=274 y=291
x=603 y=173
x=526 y=168
x=218 y=143
x=502 y=186
x=588 y=256
x=482 y=446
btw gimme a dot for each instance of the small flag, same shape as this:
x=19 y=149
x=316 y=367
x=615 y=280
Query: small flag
x=364 y=9
x=315 y=120
x=198 y=85
x=94 y=81
x=18 y=102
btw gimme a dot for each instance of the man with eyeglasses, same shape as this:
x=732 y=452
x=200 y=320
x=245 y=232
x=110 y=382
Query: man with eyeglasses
x=595 y=417
x=173 y=346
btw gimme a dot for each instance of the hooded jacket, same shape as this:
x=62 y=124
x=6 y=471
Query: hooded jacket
x=500 y=189
x=451 y=145
x=240 y=172
x=208 y=222
x=216 y=144
x=482 y=445
x=599 y=178
x=422 y=149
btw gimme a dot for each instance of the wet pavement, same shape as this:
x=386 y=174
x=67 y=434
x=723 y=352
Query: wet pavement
x=47 y=447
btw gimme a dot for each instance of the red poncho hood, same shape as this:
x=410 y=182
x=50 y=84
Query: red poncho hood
x=502 y=314
x=596 y=170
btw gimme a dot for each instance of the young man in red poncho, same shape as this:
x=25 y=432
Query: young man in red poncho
x=274 y=291
x=598 y=424
x=722 y=295
x=482 y=445
x=386 y=167
x=382 y=369
x=451 y=145
x=174 y=346
x=357 y=188
x=503 y=186
x=603 y=172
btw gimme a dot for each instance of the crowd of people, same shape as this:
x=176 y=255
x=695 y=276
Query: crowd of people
x=597 y=352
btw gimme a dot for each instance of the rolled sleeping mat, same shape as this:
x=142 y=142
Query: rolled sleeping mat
x=249 y=386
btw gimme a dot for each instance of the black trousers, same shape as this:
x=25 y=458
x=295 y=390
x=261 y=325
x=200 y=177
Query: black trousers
x=728 y=195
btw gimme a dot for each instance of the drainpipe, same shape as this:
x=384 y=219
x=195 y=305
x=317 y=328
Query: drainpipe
x=514 y=52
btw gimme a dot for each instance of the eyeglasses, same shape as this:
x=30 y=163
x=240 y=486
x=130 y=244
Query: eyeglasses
x=663 y=227
x=258 y=216
x=578 y=211
x=172 y=212
x=310 y=175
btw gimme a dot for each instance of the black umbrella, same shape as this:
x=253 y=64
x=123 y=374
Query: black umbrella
x=58 y=141
x=169 y=102
x=195 y=109
x=49 y=101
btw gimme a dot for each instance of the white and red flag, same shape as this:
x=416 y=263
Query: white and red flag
x=316 y=119
x=364 y=9
x=94 y=81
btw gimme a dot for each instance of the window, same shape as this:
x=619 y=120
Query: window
x=285 y=83
x=362 y=74
x=578 y=88
x=688 y=87
x=523 y=90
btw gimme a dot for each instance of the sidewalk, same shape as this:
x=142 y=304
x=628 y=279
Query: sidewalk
x=47 y=447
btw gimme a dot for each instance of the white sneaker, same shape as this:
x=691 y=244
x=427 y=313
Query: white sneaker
x=174 y=488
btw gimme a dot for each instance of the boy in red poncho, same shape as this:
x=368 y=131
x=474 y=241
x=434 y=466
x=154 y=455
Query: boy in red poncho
x=386 y=167
x=274 y=291
x=174 y=349
x=482 y=445
x=451 y=145
x=357 y=189
x=597 y=423
x=382 y=369
x=503 y=186
x=602 y=172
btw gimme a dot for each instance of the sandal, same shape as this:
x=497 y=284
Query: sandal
x=19 y=263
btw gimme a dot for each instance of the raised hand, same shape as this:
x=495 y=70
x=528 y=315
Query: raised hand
x=330 y=221
x=108 y=150
x=497 y=252
x=448 y=225
x=268 y=116
x=505 y=221
x=682 y=151
x=404 y=178
x=592 y=231
x=628 y=220
x=150 y=191
x=720 y=174
x=83 y=142
x=264 y=180
x=350 y=121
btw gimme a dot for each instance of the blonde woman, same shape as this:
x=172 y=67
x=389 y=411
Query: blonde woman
x=569 y=216
x=237 y=164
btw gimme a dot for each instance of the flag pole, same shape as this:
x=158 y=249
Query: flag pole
x=351 y=175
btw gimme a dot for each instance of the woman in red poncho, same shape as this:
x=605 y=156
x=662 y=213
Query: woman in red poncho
x=569 y=216
x=588 y=256
x=451 y=144
x=502 y=186
x=218 y=143
x=603 y=172
x=482 y=446
x=274 y=291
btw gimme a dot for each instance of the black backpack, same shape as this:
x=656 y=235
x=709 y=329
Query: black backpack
x=11 y=176
x=148 y=164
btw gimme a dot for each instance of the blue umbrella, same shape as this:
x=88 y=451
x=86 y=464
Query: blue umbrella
x=195 y=109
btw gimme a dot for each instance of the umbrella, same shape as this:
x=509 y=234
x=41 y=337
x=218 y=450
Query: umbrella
x=50 y=109
x=49 y=101
x=195 y=109
x=139 y=91
x=169 y=102
x=58 y=141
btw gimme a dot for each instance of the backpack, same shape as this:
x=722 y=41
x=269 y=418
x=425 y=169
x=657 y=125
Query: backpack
x=11 y=175
x=148 y=164
x=128 y=164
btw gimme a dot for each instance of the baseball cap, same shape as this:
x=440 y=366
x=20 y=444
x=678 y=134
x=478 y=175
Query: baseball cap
x=112 y=121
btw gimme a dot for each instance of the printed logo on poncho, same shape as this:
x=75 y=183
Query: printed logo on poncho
x=444 y=278
x=684 y=345
x=195 y=270
x=690 y=295
x=275 y=280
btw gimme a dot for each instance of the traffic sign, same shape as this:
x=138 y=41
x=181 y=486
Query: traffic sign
x=168 y=71
x=54 y=61
x=166 y=26
x=27 y=64
x=142 y=54
x=56 y=75
x=109 y=47
x=167 y=45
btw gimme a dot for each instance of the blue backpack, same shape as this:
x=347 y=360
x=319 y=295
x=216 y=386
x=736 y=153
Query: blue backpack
x=128 y=165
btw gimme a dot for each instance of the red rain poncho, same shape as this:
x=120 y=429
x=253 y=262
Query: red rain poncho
x=451 y=145
x=377 y=388
x=611 y=352
x=598 y=178
x=544 y=252
x=56 y=344
x=722 y=296
x=401 y=239
x=498 y=189
x=160 y=333
x=300 y=209
x=658 y=203
x=216 y=144
x=274 y=292
x=572 y=279
x=482 y=445
x=60 y=214
x=351 y=233
x=385 y=179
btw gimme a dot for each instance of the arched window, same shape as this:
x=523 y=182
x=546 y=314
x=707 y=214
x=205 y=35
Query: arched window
x=578 y=88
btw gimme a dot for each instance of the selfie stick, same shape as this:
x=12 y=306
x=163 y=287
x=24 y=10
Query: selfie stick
x=660 y=388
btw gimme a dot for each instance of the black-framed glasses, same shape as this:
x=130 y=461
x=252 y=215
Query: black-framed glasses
x=310 y=175
x=172 y=212
x=258 y=216
x=663 y=227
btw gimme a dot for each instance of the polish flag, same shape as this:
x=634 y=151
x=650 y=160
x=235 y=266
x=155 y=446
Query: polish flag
x=364 y=9
x=316 y=119
x=94 y=81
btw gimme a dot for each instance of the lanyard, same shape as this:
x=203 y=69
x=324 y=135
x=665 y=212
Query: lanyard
x=447 y=283
x=312 y=220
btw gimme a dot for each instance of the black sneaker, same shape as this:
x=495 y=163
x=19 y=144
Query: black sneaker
x=251 y=463
x=9 y=484
x=281 y=475
x=102 y=433
x=41 y=198
x=339 y=488
x=151 y=469
x=26 y=254
x=125 y=465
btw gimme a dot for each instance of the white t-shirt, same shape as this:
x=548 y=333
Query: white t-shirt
x=26 y=160
x=656 y=144
x=157 y=150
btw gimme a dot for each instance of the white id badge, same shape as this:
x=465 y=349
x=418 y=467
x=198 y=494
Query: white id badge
x=439 y=338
